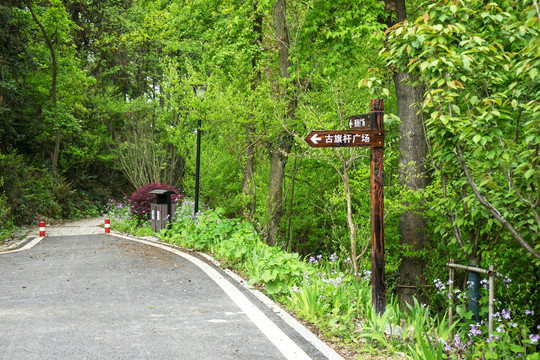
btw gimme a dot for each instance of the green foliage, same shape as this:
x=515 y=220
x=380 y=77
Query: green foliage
x=236 y=243
x=331 y=35
x=384 y=328
x=514 y=324
x=274 y=268
x=478 y=63
x=426 y=350
x=123 y=220
x=330 y=298
x=34 y=194
x=7 y=228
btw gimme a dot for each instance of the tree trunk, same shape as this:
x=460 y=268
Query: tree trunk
x=280 y=150
x=352 y=227
x=275 y=194
x=413 y=149
x=282 y=37
x=53 y=96
x=248 y=180
x=56 y=151
x=54 y=70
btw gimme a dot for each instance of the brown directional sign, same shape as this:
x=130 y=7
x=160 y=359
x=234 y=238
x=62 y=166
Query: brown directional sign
x=366 y=130
x=345 y=138
x=360 y=122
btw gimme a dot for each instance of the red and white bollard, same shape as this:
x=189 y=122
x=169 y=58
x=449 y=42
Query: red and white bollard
x=42 y=228
x=107 y=226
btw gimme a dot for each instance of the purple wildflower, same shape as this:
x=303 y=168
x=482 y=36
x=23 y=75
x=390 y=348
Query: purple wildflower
x=474 y=331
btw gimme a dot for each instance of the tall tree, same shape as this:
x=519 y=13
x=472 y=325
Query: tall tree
x=412 y=155
x=481 y=94
x=279 y=150
x=14 y=63
x=249 y=189
x=49 y=36
x=67 y=81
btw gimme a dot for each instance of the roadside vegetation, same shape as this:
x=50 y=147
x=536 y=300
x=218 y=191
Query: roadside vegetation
x=31 y=193
x=322 y=290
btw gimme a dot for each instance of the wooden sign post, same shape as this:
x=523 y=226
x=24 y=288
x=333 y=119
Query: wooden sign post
x=366 y=130
x=378 y=288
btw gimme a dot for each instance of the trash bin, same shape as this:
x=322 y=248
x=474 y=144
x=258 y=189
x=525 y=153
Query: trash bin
x=162 y=210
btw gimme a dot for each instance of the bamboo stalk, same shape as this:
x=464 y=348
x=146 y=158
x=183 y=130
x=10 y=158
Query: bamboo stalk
x=451 y=295
x=491 y=297
x=469 y=268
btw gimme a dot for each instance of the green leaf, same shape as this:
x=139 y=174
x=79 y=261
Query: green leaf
x=273 y=288
x=514 y=103
x=516 y=348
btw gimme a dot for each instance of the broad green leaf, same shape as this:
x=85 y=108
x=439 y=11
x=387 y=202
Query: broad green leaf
x=529 y=173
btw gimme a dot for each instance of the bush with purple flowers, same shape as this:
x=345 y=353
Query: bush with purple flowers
x=326 y=296
x=513 y=334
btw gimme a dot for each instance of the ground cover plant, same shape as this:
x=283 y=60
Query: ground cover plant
x=122 y=219
x=322 y=290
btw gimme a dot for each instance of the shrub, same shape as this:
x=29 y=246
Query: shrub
x=30 y=191
x=141 y=199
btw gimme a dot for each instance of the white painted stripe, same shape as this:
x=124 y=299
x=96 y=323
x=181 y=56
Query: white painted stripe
x=30 y=245
x=285 y=316
x=285 y=345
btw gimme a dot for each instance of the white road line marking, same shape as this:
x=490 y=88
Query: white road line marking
x=285 y=345
x=30 y=245
x=291 y=321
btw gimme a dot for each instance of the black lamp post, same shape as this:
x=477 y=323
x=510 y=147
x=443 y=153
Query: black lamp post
x=199 y=91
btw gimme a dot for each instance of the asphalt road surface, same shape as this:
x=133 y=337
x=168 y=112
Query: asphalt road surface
x=103 y=296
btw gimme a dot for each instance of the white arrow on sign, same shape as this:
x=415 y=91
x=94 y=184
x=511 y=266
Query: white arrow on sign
x=315 y=139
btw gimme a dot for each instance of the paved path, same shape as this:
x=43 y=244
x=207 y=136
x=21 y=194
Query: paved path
x=100 y=296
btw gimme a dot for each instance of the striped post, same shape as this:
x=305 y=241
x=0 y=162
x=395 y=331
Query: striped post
x=107 y=226
x=42 y=228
